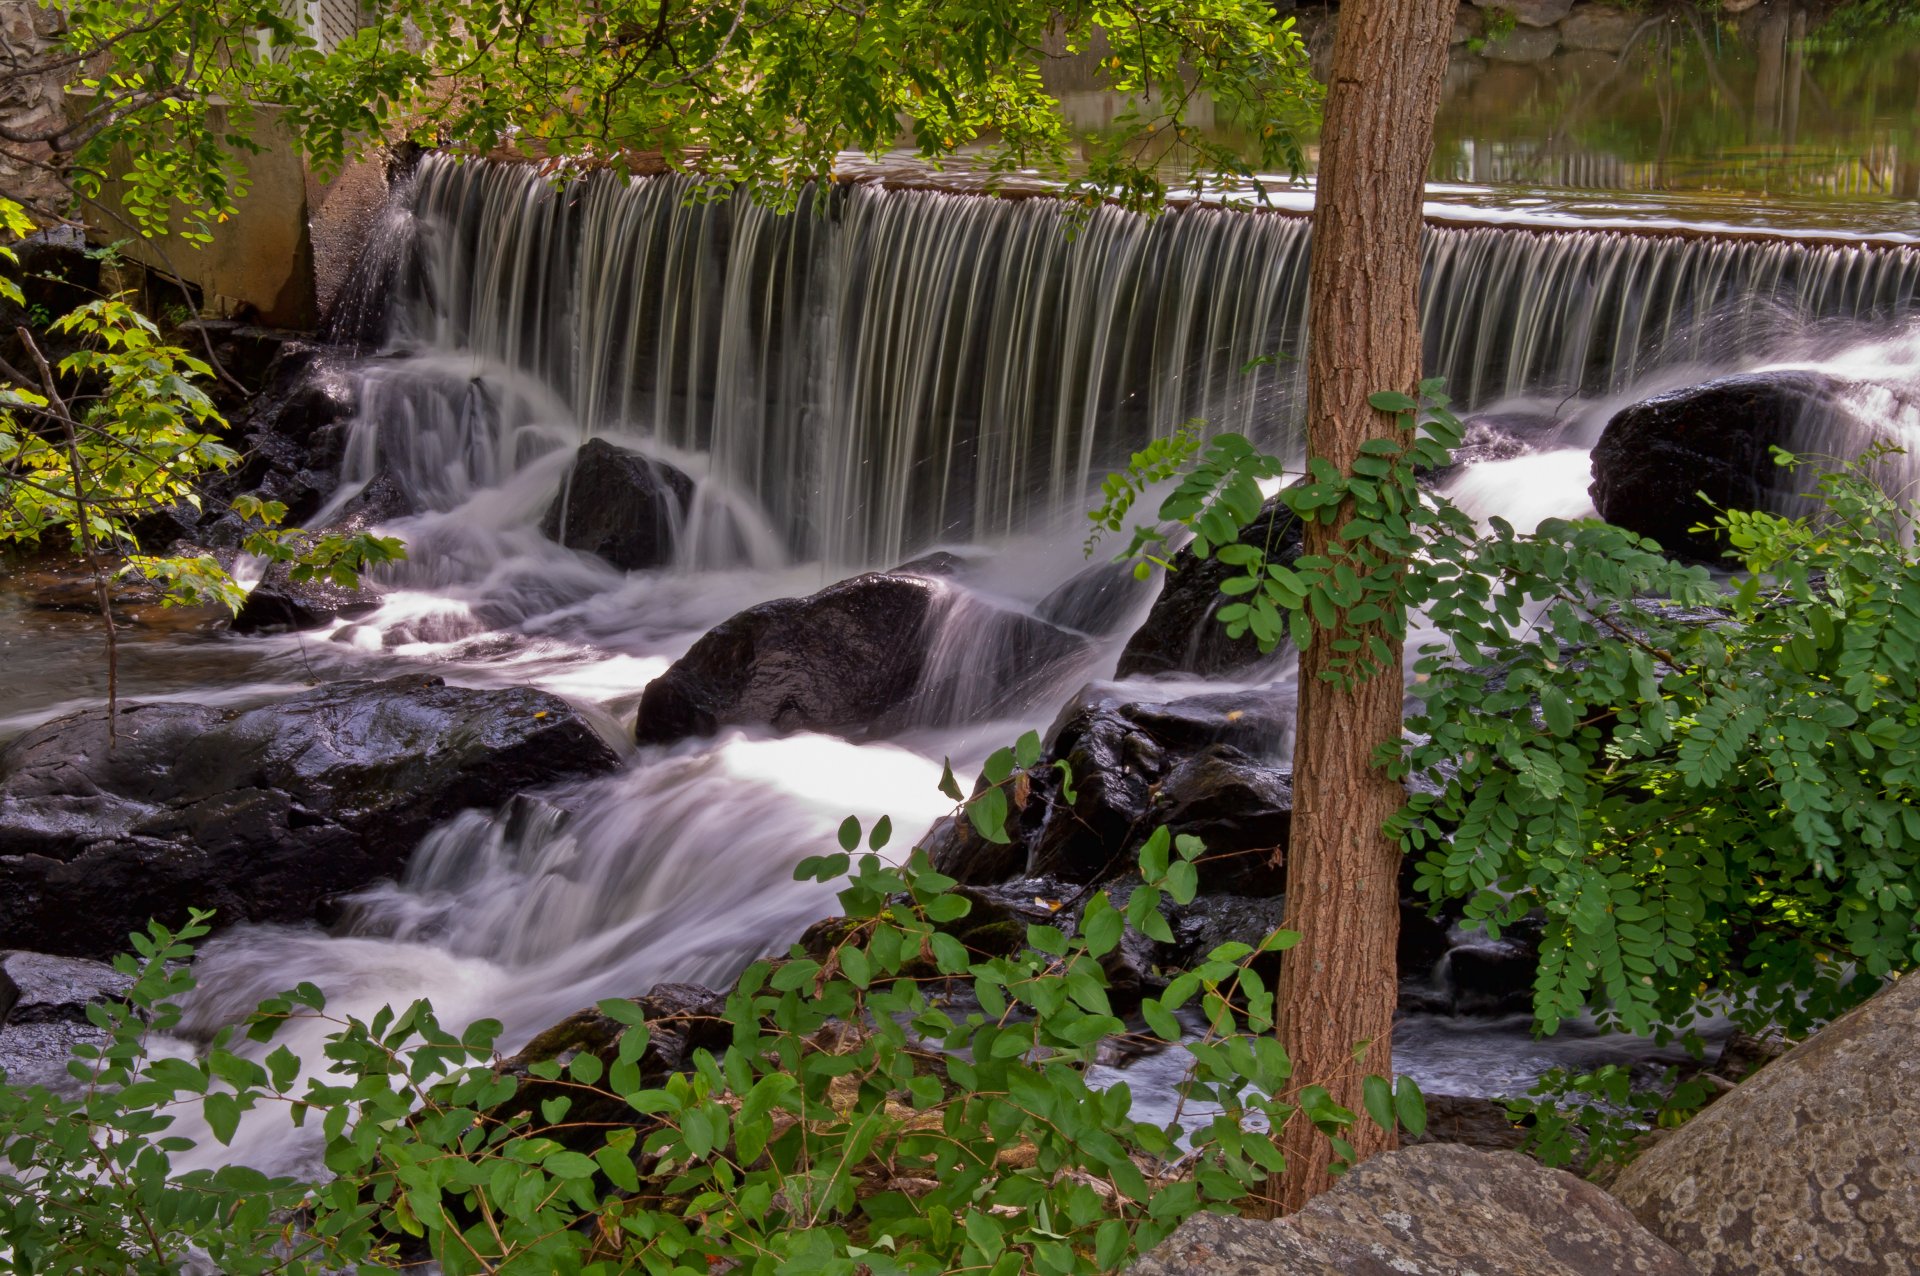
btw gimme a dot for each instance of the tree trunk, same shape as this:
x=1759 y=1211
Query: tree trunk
x=1337 y=988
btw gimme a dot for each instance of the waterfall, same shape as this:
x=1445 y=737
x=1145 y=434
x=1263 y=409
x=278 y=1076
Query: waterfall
x=880 y=370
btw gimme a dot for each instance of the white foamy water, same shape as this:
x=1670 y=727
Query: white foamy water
x=914 y=372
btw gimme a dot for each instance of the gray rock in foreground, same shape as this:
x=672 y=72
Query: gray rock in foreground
x=38 y=988
x=259 y=813
x=1809 y=1168
x=1438 y=1210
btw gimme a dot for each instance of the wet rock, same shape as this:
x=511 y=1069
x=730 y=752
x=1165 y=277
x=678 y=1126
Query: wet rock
x=1095 y=601
x=1180 y=634
x=619 y=506
x=279 y=602
x=1811 y=1167
x=1437 y=1210
x=861 y=658
x=1498 y=436
x=1485 y=976
x=39 y=988
x=1257 y=722
x=681 y=1018
x=291 y=438
x=258 y=813
x=1531 y=13
x=1522 y=45
x=1599 y=27
x=940 y=562
x=1470 y=1121
x=1657 y=456
x=834 y=661
x=1126 y=781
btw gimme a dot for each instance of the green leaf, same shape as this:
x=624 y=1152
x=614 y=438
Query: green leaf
x=1411 y=1106
x=568 y=1165
x=1101 y=925
x=988 y=813
x=1377 y=1094
x=1026 y=750
x=849 y=833
x=222 y=1112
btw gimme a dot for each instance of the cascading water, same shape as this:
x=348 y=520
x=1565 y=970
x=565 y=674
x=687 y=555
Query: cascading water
x=889 y=368
x=848 y=385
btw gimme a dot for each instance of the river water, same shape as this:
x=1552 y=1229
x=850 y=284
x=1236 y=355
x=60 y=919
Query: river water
x=851 y=385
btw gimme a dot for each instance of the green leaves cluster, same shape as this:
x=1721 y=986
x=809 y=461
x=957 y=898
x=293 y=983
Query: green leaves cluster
x=1709 y=792
x=1601 y=1118
x=121 y=429
x=890 y=1101
x=755 y=94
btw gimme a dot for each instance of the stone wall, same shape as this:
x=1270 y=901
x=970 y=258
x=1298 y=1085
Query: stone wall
x=30 y=103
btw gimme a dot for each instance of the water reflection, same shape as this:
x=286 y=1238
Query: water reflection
x=1777 y=116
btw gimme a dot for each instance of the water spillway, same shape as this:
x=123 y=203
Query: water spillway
x=881 y=369
x=849 y=385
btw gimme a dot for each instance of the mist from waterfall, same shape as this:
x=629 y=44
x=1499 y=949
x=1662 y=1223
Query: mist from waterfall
x=865 y=379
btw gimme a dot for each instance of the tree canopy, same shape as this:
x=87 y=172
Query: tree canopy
x=755 y=93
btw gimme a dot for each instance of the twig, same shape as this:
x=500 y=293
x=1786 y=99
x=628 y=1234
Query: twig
x=83 y=521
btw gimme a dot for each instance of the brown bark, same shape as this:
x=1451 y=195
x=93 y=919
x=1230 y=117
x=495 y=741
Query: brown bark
x=1337 y=988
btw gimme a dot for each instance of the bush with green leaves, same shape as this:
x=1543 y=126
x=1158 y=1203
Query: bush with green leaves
x=1599 y=1119
x=889 y=1101
x=120 y=429
x=1710 y=791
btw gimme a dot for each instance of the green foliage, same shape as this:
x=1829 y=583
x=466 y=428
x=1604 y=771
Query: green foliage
x=891 y=1102
x=87 y=1183
x=1710 y=793
x=1500 y=23
x=1598 y=1119
x=133 y=434
x=758 y=93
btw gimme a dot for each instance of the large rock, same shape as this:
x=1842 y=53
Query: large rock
x=258 y=813
x=1522 y=45
x=1180 y=634
x=619 y=506
x=681 y=1018
x=279 y=602
x=1436 y=1210
x=1531 y=13
x=1811 y=1167
x=860 y=658
x=1656 y=457
x=1600 y=27
x=1134 y=768
x=39 y=988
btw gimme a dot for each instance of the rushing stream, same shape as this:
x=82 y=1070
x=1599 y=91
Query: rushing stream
x=865 y=380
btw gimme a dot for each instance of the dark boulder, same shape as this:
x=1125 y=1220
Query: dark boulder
x=619 y=506
x=259 y=813
x=940 y=562
x=279 y=602
x=681 y=1018
x=1095 y=601
x=834 y=661
x=1656 y=458
x=1495 y=436
x=1128 y=780
x=1180 y=634
x=860 y=658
